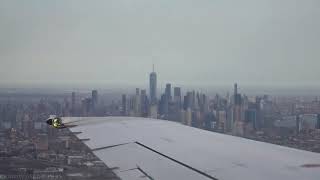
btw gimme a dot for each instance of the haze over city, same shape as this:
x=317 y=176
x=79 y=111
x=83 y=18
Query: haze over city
x=160 y=89
x=257 y=43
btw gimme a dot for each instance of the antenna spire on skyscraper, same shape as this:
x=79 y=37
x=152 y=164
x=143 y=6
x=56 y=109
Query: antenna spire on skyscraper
x=153 y=86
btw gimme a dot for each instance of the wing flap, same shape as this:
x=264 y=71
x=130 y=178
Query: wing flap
x=130 y=157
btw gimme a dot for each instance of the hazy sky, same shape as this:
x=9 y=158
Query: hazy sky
x=208 y=42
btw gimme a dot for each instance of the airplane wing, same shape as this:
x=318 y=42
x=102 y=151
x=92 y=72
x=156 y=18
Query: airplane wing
x=141 y=148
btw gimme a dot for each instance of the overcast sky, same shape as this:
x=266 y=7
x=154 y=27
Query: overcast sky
x=208 y=42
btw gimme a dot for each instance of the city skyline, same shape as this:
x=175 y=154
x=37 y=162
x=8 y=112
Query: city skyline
x=167 y=89
x=287 y=121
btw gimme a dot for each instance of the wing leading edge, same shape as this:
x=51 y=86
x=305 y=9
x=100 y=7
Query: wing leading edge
x=141 y=148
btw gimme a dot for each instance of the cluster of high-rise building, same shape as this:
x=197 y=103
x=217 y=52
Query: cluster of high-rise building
x=257 y=117
x=235 y=114
x=89 y=105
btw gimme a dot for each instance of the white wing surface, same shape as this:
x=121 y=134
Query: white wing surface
x=141 y=148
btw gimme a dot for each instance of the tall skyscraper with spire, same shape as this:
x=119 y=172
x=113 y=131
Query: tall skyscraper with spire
x=238 y=128
x=153 y=86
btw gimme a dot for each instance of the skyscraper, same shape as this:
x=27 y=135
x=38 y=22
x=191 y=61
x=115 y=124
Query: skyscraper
x=251 y=117
x=168 y=92
x=238 y=124
x=144 y=103
x=137 y=103
x=177 y=92
x=237 y=103
x=73 y=103
x=229 y=122
x=124 y=105
x=94 y=99
x=298 y=124
x=188 y=117
x=86 y=106
x=153 y=87
x=177 y=97
x=153 y=111
x=235 y=90
x=222 y=120
x=187 y=102
x=164 y=105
